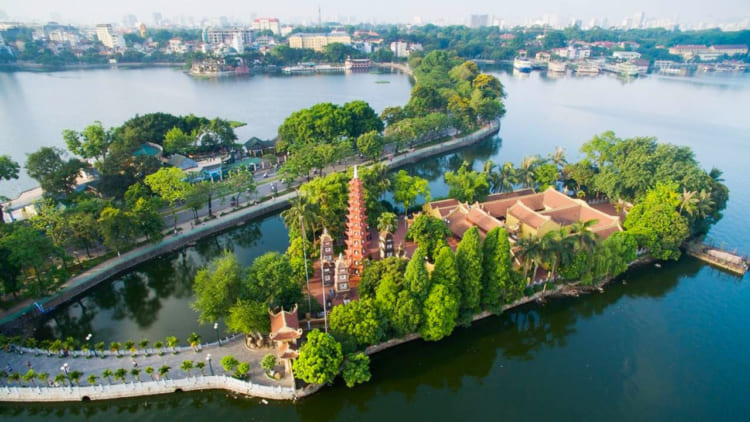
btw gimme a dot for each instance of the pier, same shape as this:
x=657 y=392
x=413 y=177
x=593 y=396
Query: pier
x=729 y=261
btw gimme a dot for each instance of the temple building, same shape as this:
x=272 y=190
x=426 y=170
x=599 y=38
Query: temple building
x=284 y=334
x=523 y=213
x=342 y=271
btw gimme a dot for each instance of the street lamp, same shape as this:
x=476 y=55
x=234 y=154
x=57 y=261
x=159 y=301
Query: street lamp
x=210 y=367
x=88 y=342
x=65 y=368
x=216 y=328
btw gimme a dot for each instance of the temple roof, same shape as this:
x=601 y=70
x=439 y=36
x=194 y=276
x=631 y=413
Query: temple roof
x=284 y=325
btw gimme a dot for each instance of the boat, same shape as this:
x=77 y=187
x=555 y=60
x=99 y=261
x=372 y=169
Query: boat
x=557 y=67
x=587 y=68
x=213 y=68
x=522 y=64
x=627 y=69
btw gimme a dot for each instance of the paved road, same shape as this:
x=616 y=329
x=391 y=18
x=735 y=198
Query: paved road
x=96 y=365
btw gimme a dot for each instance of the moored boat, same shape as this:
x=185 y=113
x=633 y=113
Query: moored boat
x=557 y=67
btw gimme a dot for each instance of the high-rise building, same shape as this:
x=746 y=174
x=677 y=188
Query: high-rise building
x=267 y=24
x=107 y=36
x=226 y=36
x=477 y=21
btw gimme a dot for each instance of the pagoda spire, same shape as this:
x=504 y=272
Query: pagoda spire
x=356 y=226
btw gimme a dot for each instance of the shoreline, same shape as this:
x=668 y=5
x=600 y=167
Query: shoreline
x=222 y=382
x=37 y=67
x=18 y=319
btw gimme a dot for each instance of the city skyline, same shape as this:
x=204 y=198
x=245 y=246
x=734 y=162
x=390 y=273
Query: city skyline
x=690 y=12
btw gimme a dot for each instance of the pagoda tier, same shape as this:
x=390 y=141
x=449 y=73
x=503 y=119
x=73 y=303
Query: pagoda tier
x=356 y=227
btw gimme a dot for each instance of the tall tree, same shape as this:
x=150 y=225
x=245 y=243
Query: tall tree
x=55 y=175
x=445 y=272
x=356 y=369
x=469 y=263
x=496 y=269
x=467 y=185
x=429 y=233
x=270 y=279
x=440 y=313
x=169 y=183
x=357 y=322
x=8 y=171
x=406 y=188
x=416 y=277
x=93 y=142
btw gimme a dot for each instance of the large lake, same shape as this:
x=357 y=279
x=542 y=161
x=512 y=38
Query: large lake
x=668 y=345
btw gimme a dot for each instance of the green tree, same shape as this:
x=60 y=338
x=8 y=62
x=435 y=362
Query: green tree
x=362 y=119
x=545 y=175
x=164 y=371
x=229 y=363
x=371 y=144
x=172 y=342
x=429 y=233
x=320 y=359
x=92 y=379
x=108 y=374
x=406 y=188
x=657 y=223
x=187 y=366
x=356 y=369
x=217 y=287
x=440 y=313
x=469 y=263
x=8 y=170
x=241 y=181
x=375 y=271
x=169 y=183
x=120 y=374
x=242 y=370
x=467 y=185
x=445 y=272
x=496 y=269
x=270 y=280
x=358 y=322
x=387 y=222
x=416 y=277
x=117 y=228
x=93 y=142
x=55 y=175
x=248 y=317
x=175 y=140
x=268 y=363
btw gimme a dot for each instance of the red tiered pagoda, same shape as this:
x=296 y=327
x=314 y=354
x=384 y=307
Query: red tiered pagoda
x=356 y=228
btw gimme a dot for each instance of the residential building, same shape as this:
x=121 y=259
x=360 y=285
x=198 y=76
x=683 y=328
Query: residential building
x=107 y=36
x=687 y=51
x=267 y=24
x=318 y=42
x=403 y=49
x=730 y=49
x=226 y=36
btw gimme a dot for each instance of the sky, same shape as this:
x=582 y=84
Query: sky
x=689 y=12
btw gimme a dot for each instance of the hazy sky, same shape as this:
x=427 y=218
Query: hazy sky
x=450 y=11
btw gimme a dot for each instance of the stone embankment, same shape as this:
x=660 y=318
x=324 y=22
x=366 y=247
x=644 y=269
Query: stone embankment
x=81 y=283
x=146 y=388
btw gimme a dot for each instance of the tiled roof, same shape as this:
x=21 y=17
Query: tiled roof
x=527 y=215
x=284 y=319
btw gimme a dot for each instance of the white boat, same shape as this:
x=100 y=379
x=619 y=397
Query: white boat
x=627 y=69
x=523 y=65
x=587 y=68
x=557 y=67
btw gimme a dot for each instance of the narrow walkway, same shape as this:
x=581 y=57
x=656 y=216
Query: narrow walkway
x=95 y=365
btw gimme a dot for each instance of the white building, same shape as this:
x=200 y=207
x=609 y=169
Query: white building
x=106 y=35
x=267 y=24
x=626 y=55
x=238 y=44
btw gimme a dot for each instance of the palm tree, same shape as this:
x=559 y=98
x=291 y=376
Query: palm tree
x=556 y=249
x=582 y=235
x=130 y=345
x=705 y=204
x=120 y=374
x=302 y=213
x=200 y=365
x=56 y=346
x=530 y=252
x=164 y=371
x=92 y=379
x=194 y=340
x=14 y=377
x=43 y=377
x=688 y=201
x=75 y=376
x=172 y=343
x=115 y=347
x=159 y=345
x=526 y=170
x=29 y=377
x=150 y=371
x=69 y=343
x=107 y=373
x=136 y=374
x=492 y=177
x=59 y=379
x=558 y=159
x=387 y=222
x=99 y=347
x=507 y=178
x=143 y=344
x=187 y=366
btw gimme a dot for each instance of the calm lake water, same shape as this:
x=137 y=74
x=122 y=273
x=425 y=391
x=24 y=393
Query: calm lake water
x=667 y=345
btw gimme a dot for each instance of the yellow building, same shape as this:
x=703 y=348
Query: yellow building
x=318 y=42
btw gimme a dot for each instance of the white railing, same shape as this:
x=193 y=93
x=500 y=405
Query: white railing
x=134 y=389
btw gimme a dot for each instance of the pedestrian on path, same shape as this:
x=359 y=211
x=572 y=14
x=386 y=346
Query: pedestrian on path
x=135 y=364
x=10 y=369
x=28 y=364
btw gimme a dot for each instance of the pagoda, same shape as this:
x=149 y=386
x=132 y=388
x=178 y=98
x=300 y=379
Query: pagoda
x=356 y=227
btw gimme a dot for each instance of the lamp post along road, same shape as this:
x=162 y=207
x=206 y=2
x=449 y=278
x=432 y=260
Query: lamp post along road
x=210 y=367
x=216 y=328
